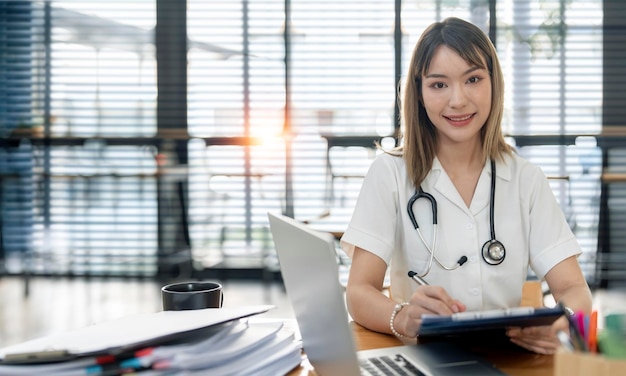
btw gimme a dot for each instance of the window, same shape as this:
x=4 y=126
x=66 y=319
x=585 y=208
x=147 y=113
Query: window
x=551 y=53
x=92 y=76
x=283 y=101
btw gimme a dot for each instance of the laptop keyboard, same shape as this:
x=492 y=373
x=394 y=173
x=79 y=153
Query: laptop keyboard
x=388 y=365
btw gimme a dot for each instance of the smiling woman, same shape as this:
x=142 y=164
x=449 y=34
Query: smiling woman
x=453 y=143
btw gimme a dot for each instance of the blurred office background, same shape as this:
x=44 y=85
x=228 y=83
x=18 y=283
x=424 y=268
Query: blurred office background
x=148 y=139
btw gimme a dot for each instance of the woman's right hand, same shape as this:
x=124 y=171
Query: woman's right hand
x=371 y=308
x=425 y=300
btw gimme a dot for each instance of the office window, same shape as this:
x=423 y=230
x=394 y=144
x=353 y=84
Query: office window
x=551 y=55
x=283 y=102
x=91 y=76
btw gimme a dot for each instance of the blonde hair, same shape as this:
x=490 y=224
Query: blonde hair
x=420 y=135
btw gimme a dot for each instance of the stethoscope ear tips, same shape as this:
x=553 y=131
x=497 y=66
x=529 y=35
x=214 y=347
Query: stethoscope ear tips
x=493 y=252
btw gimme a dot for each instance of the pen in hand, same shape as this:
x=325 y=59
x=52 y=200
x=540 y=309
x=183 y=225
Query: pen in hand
x=420 y=281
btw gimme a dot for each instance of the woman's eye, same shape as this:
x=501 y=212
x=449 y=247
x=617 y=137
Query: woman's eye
x=439 y=85
x=473 y=80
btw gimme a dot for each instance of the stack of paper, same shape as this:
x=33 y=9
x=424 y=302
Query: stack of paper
x=221 y=341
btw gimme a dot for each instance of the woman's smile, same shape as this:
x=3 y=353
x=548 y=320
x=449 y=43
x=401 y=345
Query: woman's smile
x=459 y=120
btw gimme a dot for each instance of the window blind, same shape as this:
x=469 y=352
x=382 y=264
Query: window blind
x=551 y=54
x=283 y=101
x=15 y=92
x=79 y=196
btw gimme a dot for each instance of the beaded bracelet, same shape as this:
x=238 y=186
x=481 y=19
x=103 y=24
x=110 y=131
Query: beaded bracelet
x=397 y=309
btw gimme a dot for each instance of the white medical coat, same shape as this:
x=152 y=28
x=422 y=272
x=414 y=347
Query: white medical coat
x=528 y=221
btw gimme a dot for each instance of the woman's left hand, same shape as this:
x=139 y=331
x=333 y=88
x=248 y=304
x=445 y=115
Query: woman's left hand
x=539 y=339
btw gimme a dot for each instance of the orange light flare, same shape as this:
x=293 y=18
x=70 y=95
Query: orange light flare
x=267 y=137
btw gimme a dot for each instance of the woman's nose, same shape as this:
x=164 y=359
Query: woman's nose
x=458 y=96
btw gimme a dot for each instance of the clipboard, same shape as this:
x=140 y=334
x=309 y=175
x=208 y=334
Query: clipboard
x=487 y=321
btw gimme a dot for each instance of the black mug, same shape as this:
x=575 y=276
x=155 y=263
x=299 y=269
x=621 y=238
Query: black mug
x=191 y=295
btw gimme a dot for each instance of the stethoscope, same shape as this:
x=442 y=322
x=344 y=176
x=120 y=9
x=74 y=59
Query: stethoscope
x=493 y=251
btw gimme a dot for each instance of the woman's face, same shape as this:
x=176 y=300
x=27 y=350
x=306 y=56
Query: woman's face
x=456 y=96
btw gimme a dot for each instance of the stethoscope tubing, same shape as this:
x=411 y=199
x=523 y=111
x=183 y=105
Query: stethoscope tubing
x=420 y=193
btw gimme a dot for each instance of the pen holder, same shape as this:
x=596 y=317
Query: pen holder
x=191 y=295
x=568 y=363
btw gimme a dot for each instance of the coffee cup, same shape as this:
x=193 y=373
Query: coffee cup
x=191 y=295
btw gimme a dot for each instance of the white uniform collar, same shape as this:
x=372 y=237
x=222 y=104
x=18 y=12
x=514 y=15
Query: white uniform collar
x=503 y=168
x=440 y=182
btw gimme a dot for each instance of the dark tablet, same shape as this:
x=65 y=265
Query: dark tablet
x=476 y=321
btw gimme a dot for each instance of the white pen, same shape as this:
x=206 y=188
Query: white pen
x=565 y=340
x=420 y=281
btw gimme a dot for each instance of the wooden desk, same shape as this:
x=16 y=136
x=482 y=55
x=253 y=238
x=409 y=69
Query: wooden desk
x=511 y=362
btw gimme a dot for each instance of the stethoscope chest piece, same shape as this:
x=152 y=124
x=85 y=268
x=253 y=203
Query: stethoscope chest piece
x=493 y=252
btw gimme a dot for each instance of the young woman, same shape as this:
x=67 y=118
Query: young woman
x=495 y=213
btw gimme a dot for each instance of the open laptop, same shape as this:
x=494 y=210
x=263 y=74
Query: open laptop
x=308 y=262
